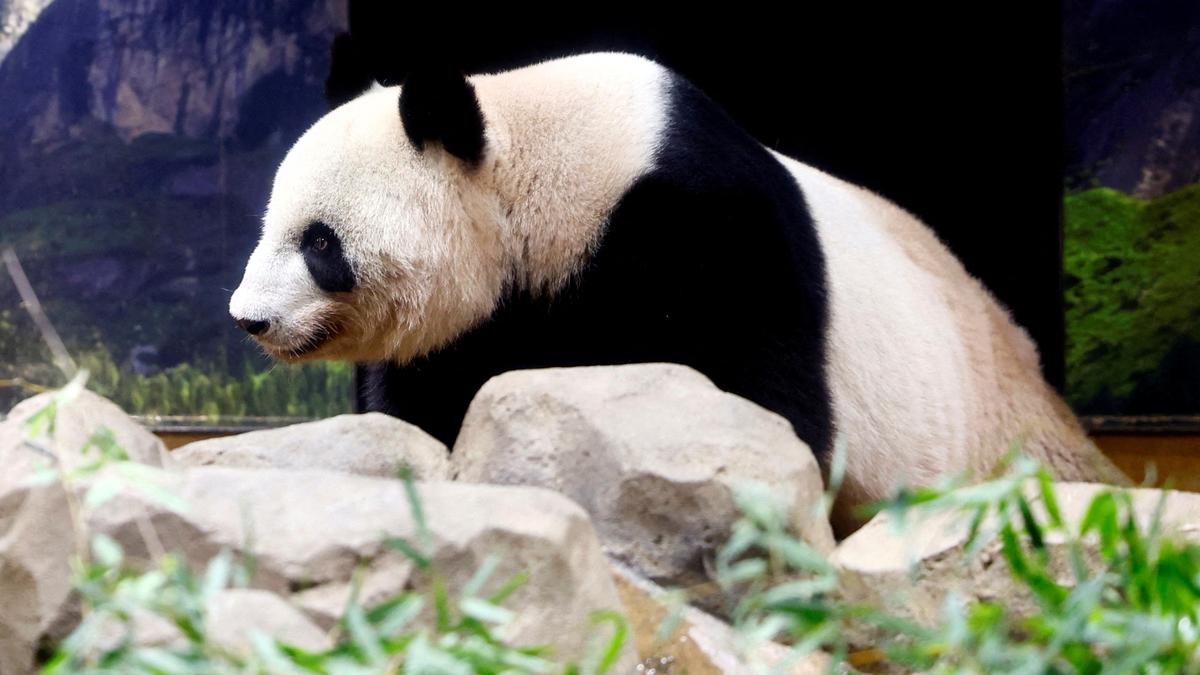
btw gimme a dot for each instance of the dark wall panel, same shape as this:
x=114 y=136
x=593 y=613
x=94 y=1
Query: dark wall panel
x=952 y=113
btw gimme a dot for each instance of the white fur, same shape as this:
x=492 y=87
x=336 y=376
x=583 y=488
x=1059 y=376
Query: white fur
x=434 y=243
x=928 y=373
x=896 y=365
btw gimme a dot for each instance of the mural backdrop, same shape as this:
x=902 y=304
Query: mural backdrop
x=1132 y=208
x=138 y=141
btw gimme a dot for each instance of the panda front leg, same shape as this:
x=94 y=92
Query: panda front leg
x=432 y=392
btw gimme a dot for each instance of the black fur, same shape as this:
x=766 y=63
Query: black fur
x=439 y=105
x=711 y=260
x=349 y=74
x=326 y=263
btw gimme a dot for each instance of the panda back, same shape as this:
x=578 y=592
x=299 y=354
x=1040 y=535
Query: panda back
x=928 y=372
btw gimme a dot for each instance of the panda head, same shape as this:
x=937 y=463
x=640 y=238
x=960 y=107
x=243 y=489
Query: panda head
x=381 y=240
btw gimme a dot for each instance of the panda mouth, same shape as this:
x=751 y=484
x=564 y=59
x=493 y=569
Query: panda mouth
x=318 y=339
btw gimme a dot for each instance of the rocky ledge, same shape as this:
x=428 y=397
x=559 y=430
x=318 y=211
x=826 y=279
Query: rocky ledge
x=603 y=484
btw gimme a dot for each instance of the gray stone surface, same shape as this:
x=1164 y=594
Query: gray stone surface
x=911 y=571
x=654 y=453
x=233 y=614
x=702 y=643
x=373 y=444
x=311 y=531
x=231 y=617
x=37 y=539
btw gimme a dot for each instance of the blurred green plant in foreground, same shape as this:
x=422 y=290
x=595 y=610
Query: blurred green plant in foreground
x=1132 y=604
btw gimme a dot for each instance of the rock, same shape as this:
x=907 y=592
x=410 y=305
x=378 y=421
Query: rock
x=157 y=69
x=653 y=452
x=1180 y=517
x=15 y=18
x=144 y=629
x=37 y=538
x=79 y=420
x=911 y=572
x=371 y=445
x=311 y=531
x=702 y=643
x=384 y=578
x=233 y=614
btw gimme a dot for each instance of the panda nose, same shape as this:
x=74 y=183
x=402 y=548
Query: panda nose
x=253 y=327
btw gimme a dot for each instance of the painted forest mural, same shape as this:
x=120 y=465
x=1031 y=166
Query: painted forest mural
x=1131 y=268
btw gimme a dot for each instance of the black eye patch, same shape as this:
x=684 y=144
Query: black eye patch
x=326 y=260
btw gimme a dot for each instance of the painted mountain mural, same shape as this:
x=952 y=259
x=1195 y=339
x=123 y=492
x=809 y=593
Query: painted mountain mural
x=1132 y=212
x=137 y=145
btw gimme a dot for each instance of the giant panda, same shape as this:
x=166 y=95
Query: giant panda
x=600 y=209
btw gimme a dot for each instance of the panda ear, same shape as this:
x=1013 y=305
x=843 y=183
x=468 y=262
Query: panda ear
x=439 y=105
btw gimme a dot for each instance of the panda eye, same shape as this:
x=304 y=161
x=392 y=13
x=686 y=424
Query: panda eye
x=326 y=259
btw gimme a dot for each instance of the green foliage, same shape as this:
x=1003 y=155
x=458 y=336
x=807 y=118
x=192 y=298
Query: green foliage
x=1130 y=274
x=116 y=597
x=382 y=639
x=1131 y=606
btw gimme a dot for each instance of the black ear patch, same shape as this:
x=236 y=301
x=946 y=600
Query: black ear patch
x=439 y=105
x=326 y=260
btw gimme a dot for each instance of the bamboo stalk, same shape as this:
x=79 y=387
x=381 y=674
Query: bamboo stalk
x=58 y=350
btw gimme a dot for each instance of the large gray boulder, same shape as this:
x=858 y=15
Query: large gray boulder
x=654 y=453
x=371 y=445
x=76 y=422
x=311 y=533
x=911 y=570
x=37 y=538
